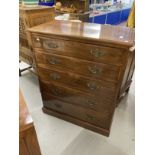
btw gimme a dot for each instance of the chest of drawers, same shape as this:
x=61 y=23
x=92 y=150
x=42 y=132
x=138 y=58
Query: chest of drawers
x=84 y=69
x=29 y=17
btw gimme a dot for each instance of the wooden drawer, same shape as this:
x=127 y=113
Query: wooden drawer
x=88 y=115
x=80 y=50
x=94 y=70
x=78 y=82
x=77 y=97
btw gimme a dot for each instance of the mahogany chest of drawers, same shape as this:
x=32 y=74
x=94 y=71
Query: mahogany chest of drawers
x=83 y=69
x=29 y=17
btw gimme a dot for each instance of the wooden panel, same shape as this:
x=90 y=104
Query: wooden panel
x=127 y=71
x=39 y=18
x=29 y=17
x=26 y=55
x=83 y=70
x=22 y=147
x=76 y=81
x=25 y=120
x=132 y=68
x=23 y=43
x=95 y=70
x=28 y=143
x=77 y=121
x=79 y=50
x=76 y=97
x=100 y=119
x=22 y=27
x=107 y=35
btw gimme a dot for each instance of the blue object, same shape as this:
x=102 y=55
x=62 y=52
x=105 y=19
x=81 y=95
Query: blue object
x=100 y=19
x=46 y=3
x=91 y=20
x=49 y=3
x=113 y=18
x=125 y=14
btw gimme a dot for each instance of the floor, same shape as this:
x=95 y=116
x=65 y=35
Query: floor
x=58 y=137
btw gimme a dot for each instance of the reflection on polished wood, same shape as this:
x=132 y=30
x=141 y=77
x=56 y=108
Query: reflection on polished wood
x=25 y=119
x=99 y=33
x=84 y=70
x=28 y=143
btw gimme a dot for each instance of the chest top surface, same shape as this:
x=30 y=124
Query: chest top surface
x=90 y=31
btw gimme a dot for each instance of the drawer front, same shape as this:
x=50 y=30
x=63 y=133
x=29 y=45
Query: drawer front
x=76 y=97
x=96 y=70
x=88 y=115
x=80 y=50
x=76 y=81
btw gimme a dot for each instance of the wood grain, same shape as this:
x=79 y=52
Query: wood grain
x=28 y=143
x=29 y=17
x=115 y=36
x=94 y=70
x=90 y=52
x=84 y=69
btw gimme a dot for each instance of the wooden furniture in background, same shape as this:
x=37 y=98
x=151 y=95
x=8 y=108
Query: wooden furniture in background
x=28 y=143
x=29 y=17
x=81 y=6
x=84 y=69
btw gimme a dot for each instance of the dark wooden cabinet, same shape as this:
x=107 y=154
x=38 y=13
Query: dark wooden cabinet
x=84 y=69
x=29 y=17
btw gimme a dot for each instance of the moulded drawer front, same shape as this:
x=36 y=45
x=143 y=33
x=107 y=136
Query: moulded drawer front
x=94 y=70
x=96 y=118
x=78 y=82
x=80 y=50
x=77 y=97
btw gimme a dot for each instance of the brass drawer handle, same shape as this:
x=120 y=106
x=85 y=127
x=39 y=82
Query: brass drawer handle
x=37 y=42
x=90 y=117
x=52 y=45
x=92 y=86
x=53 y=61
x=58 y=105
x=94 y=69
x=37 y=39
x=90 y=103
x=49 y=45
x=131 y=49
x=55 y=76
x=55 y=91
x=96 y=53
